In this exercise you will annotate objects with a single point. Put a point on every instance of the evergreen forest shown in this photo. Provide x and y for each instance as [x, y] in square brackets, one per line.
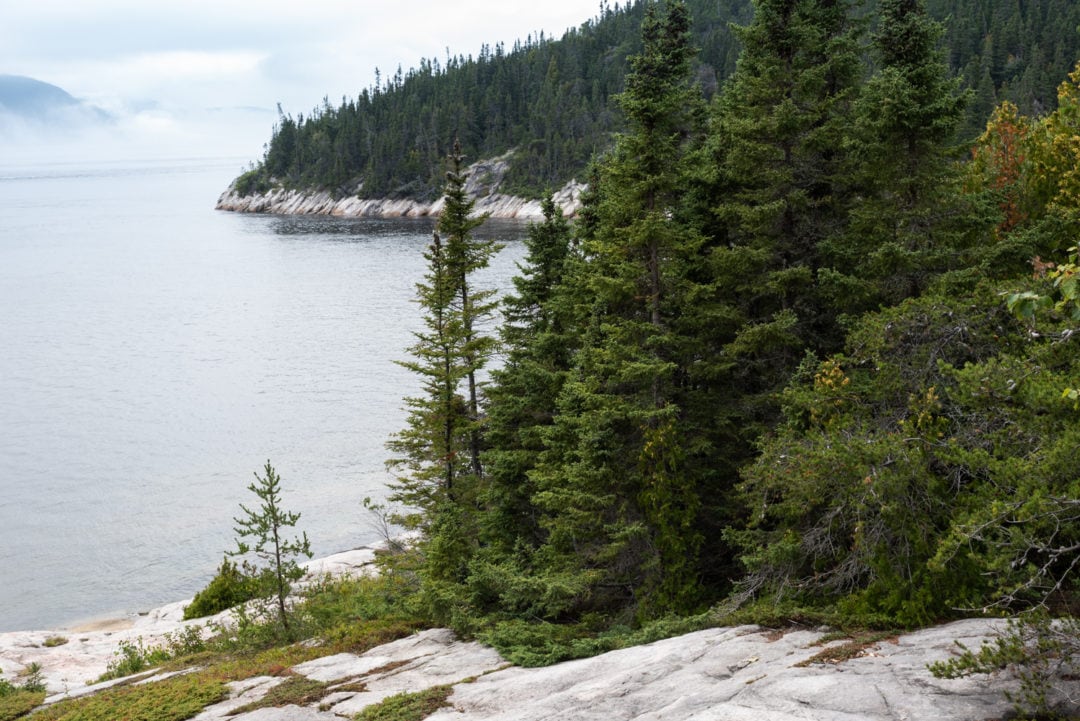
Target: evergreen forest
[804, 353]
[549, 104]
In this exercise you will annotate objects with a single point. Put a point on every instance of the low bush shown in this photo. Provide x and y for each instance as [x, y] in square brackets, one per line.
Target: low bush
[408, 706]
[231, 586]
[173, 699]
[135, 656]
[1041, 651]
[17, 699]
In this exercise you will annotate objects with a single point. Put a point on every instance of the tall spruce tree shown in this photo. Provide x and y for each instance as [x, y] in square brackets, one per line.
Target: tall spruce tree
[906, 225]
[438, 455]
[778, 192]
[617, 505]
[538, 336]
[431, 453]
[466, 254]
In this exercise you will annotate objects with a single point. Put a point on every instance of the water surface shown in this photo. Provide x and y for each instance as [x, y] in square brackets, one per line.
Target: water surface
[155, 352]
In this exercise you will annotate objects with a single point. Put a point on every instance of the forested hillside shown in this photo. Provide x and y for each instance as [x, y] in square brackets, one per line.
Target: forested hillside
[551, 101]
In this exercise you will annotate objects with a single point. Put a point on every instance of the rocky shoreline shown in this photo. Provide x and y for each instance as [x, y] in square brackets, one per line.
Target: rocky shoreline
[88, 648]
[483, 180]
[742, 673]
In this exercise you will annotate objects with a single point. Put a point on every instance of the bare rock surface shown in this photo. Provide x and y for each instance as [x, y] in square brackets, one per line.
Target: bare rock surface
[483, 180]
[720, 674]
[742, 673]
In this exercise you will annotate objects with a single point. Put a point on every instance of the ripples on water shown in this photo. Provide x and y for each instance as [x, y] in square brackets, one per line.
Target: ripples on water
[156, 352]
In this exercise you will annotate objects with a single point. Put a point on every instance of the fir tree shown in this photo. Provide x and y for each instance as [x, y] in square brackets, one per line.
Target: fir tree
[438, 454]
[465, 255]
[431, 453]
[618, 507]
[771, 188]
[538, 338]
[905, 226]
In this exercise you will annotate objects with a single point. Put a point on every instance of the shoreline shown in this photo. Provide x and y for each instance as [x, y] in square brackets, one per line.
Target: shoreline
[90, 645]
[300, 202]
[482, 182]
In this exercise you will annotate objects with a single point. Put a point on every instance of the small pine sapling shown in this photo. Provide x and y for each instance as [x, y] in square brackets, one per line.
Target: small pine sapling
[266, 526]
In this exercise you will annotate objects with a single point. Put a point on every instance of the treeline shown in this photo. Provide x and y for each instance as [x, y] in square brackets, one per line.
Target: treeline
[1008, 50]
[791, 356]
[551, 101]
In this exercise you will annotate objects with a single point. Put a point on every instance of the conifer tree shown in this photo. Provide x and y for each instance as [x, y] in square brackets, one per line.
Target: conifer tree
[774, 189]
[438, 454]
[267, 525]
[538, 338]
[618, 506]
[905, 226]
[465, 255]
[431, 452]
[782, 126]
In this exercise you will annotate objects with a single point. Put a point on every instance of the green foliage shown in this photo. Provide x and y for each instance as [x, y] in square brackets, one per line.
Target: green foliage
[267, 526]
[251, 182]
[614, 505]
[406, 706]
[922, 473]
[910, 220]
[132, 657]
[550, 103]
[1039, 650]
[357, 614]
[54, 641]
[230, 587]
[438, 456]
[18, 699]
[546, 101]
[296, 690]
[173, 699]
[529, 643]
[19, 703]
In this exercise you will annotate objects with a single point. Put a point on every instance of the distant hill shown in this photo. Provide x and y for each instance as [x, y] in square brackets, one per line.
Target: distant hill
[42, 103]
[550, 101]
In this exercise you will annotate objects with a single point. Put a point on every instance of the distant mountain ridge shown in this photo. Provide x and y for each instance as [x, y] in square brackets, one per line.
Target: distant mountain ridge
[38, 102]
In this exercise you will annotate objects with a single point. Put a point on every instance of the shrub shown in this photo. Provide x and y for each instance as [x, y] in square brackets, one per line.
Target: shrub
[135, 657]
[18, 699]
[231, 586]
[1041, 652]
[251, 182]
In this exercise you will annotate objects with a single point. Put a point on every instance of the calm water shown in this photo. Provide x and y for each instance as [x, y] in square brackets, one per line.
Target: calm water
[155, 352]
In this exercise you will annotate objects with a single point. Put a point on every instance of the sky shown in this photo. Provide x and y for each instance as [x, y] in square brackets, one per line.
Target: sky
[203, 77]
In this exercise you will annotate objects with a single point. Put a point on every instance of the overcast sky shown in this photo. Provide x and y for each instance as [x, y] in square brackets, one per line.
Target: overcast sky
[201, 70]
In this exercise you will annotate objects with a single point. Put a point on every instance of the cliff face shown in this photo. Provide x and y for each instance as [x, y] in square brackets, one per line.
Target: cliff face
[484, 179]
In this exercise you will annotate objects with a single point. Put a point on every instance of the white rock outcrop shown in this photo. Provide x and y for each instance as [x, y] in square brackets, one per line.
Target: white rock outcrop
[483, 180]
[87, 650]
[743, 673]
